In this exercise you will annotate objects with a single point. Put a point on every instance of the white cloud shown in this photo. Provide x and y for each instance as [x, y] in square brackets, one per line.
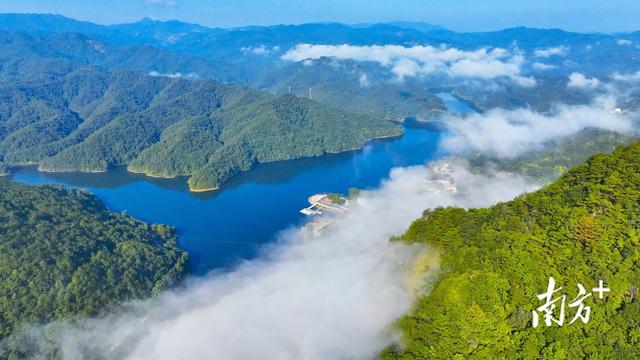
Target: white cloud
[406, 67]
[578, 80]
[552, 51]
[364, 80]
[542, 66]
[336, 296]
[333, 297]
[507, 134]
[624, 42]
[487, 69]
[189, 76]
[423, 60]
[260, 50]
[633, 77]
[491, 68]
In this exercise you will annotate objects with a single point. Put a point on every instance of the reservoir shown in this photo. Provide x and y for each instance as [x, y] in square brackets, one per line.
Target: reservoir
[222, 228]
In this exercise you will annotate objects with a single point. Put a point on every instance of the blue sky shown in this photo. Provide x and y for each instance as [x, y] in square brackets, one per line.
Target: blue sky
[462, 15]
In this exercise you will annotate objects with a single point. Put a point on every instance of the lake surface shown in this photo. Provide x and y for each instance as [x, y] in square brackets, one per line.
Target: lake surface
[222, 228]
[455, 105]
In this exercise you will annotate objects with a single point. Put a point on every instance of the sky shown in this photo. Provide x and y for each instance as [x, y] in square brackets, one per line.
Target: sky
[460, 15]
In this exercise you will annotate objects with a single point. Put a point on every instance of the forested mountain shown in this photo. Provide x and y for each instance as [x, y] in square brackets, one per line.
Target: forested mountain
[62, 253]
[555, 157]
[252, 56]
[227, 44]
[151, 32]
[341, 89]
[363, 88]
[211, 42]
[50, 23]
[581, 229]
[177, 35]
[68, 117]
[82, 49]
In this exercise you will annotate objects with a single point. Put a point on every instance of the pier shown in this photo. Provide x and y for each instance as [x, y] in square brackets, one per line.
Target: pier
[321, 203]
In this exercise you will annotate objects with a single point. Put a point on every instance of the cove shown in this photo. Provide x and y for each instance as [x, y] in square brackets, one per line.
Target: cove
[222, 228]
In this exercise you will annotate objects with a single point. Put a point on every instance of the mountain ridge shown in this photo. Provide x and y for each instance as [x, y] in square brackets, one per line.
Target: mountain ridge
[71, 117]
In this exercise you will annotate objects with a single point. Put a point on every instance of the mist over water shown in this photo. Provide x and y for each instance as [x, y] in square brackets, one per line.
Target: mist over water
[335, 296]
[332, 297]
[220, 229]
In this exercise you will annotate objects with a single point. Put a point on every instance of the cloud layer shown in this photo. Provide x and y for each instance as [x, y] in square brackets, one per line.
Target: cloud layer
[189, 76]
[333, 297]
[628, 78]
[260, 50]
[552, 51]
[542, 66]
[338, 295]
[580, 81]
[507, 134]
[424, 60]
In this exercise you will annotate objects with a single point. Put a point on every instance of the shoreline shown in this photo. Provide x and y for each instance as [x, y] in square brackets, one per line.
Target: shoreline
[215, 188]
[151, 175]
[204, 190]
[384, 137]
[71, 171]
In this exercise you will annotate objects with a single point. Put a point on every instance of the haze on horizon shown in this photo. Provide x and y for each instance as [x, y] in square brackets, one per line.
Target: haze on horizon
[458, 15]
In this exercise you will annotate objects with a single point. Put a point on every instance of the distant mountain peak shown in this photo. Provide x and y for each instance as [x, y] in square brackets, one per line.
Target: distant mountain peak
[417, 25]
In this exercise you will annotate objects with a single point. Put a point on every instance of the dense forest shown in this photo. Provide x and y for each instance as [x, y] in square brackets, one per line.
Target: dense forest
[69, 117]
[495, 261]
[62, 253]
[253, 57]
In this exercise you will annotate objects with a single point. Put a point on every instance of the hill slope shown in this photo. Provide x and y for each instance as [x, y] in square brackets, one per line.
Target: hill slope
[62, 253]
[68, 117]
[581, 229]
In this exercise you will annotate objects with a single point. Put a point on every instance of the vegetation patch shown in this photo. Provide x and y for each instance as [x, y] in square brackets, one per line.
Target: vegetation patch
[583, 228]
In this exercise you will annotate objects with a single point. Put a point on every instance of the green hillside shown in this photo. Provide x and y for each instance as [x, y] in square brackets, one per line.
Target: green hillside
[215, 148]
[67, 117]
[556, 157]
[62, 253]
[494, 262]
[360, 88]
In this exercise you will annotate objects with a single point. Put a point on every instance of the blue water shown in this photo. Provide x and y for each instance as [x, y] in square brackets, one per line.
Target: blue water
[221, 228]
[456, 105]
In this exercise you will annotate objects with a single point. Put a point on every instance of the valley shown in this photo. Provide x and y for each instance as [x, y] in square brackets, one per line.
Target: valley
[315, 190]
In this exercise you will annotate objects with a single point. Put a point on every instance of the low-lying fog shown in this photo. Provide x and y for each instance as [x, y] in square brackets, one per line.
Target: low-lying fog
[335, 296]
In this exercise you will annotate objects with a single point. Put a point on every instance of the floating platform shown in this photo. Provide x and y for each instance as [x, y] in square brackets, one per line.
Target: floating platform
[321, 203]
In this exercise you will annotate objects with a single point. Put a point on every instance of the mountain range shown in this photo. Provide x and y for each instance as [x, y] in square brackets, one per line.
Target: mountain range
[253, 56]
